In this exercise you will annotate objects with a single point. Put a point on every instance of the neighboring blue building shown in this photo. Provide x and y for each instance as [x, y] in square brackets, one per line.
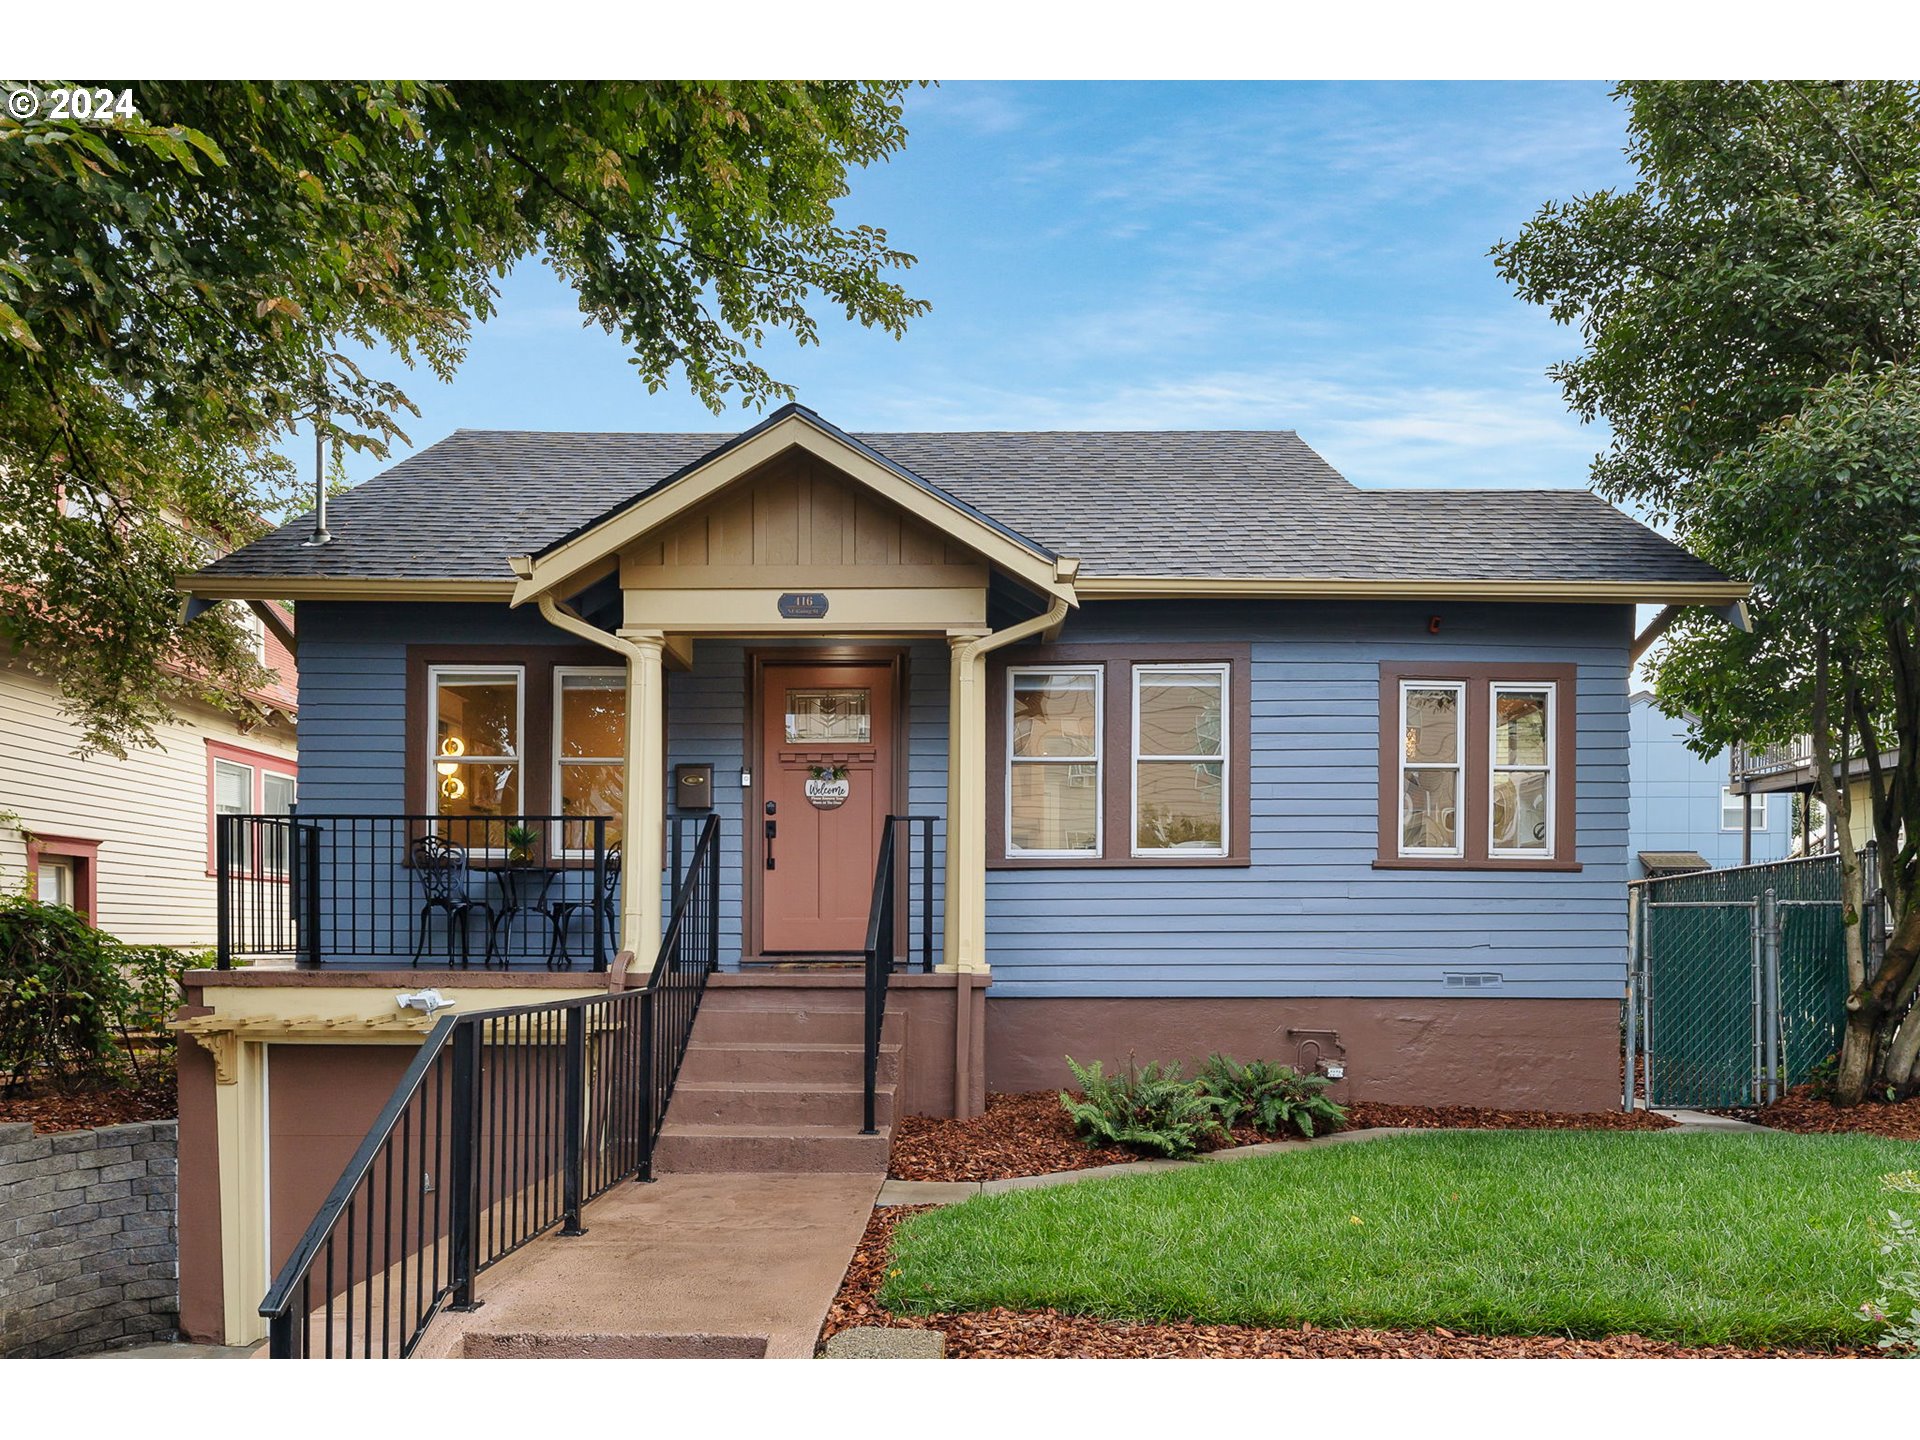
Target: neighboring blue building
[1682, 804]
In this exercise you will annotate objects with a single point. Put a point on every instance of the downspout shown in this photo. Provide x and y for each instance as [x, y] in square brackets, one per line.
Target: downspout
[966, 828]
[641, 827]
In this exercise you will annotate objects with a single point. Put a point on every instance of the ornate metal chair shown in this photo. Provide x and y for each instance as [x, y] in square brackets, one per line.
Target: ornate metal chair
[601, 906]
[440, 870]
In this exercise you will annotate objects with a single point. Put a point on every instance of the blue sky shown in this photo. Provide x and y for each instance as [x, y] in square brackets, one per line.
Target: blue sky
[1299, 256]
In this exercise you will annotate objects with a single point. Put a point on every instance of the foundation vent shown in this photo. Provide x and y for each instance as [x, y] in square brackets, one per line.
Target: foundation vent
[1474, 979]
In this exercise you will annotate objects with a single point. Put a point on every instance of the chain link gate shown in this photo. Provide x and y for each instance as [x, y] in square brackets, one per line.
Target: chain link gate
[1736, 982]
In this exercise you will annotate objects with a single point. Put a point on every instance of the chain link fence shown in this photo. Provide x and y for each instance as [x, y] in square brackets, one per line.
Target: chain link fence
[1736, 981]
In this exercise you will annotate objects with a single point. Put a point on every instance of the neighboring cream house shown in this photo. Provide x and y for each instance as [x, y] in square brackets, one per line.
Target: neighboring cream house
[129, 842]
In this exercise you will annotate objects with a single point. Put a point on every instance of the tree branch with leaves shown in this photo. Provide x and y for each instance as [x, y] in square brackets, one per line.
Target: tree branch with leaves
[181, 290]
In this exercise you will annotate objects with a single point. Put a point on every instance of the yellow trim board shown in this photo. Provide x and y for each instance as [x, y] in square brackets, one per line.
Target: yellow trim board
[554, 570]
[1651, 592]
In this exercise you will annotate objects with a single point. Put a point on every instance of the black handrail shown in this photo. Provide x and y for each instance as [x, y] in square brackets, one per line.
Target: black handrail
[506, 1123]
[880, 957]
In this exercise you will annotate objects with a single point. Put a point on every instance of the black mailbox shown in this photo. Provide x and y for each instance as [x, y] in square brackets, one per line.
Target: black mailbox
[693, 787]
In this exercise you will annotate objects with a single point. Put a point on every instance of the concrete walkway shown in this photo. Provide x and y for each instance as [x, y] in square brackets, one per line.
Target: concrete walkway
[730, 1265]
[953, 1192]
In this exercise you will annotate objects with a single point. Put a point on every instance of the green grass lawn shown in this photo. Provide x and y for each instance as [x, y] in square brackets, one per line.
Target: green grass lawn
[1700, 1239]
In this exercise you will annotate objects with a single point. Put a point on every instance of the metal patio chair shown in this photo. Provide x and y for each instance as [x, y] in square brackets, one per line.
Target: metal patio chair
[560, 913]
[440, 870]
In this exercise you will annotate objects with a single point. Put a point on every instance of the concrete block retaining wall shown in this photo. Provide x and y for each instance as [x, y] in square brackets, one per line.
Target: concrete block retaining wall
[89, 1238]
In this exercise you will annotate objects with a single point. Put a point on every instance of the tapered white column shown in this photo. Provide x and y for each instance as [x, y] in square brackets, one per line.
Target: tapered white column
[965, 923]
[643, 823]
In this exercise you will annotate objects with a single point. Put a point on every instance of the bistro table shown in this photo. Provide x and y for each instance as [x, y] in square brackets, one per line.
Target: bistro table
[524, 885]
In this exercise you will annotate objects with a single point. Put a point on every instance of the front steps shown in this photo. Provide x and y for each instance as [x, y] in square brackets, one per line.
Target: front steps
[772, 1080]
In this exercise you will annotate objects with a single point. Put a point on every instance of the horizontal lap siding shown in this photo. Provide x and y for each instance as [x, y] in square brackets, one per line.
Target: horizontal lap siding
[1311, 916]
[353, 729]
[148, 812]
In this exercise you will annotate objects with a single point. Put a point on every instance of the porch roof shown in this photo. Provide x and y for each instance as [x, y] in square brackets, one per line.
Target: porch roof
[1145, 513]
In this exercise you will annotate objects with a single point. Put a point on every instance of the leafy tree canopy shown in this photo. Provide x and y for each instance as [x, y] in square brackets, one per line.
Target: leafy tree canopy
[180, 290]
[1751, 336]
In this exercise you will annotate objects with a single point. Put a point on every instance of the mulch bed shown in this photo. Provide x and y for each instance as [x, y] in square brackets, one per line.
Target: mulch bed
[1028, 1133]
[1800, 1111]
[1047, 1334]
[155, 1099]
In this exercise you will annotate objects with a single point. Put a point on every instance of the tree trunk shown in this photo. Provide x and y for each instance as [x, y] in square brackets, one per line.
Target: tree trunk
[1860, 1040]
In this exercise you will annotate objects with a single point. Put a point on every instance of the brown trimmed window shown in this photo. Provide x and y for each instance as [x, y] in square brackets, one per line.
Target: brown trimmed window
[1118, 755]
[1477, 767]
[496, 731]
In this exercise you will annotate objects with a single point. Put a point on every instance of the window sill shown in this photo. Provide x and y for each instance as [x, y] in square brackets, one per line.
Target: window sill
[1126, 862]
[1464, 863]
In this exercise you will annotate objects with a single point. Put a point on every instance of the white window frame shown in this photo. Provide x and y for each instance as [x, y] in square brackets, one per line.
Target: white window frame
[560, 758]
[1098, 760]
[239, 864]
[273, 863]
[1223, 670]
[1730, 799]
[65, 874]
[1461, 739]
[1551, 769]
[434, 758]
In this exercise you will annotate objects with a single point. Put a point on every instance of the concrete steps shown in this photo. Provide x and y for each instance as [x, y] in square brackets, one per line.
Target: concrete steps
[772, 1080]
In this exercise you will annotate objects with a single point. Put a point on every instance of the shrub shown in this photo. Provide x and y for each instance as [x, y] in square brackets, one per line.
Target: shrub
[1151, 1108]
[72, 997]
[1274, 1099]
[1897, 1308]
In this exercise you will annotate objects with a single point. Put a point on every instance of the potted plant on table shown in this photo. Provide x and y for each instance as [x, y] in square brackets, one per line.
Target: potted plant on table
[520, 842]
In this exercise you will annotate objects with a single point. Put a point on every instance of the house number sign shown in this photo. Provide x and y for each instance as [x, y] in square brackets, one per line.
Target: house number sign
[803, 605]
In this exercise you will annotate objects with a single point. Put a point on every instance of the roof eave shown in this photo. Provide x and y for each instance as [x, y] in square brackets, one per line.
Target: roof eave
[1592, 592]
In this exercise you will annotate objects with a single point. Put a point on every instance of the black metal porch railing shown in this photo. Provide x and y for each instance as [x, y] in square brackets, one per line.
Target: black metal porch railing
[504, 1126]
[416, 890]
[883, 940]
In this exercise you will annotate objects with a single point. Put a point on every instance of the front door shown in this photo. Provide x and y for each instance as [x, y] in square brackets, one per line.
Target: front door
[826, 751]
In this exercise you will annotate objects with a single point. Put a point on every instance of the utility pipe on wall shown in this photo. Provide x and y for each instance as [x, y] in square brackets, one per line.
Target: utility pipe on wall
[643, 817]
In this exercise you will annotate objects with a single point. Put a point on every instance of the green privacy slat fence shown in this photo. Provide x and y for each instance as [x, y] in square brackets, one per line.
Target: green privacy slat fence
[1739, 980]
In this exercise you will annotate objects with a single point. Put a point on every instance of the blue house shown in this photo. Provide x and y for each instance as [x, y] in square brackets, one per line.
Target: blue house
[967, 750]
[1684, 815]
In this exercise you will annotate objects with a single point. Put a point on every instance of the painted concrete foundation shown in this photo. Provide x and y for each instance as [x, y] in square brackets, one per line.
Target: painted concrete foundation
[1507, 1053]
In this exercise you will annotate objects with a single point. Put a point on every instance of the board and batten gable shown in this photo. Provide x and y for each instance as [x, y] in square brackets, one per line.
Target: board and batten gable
[1310, 915]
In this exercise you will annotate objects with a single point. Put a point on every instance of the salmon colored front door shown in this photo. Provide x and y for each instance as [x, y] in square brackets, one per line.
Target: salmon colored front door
[826, 746]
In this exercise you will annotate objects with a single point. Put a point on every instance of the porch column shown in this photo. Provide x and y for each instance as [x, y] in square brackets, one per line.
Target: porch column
[965, 922]
[643, 821]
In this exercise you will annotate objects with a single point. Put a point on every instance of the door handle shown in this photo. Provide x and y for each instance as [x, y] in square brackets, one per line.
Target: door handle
[773, 827]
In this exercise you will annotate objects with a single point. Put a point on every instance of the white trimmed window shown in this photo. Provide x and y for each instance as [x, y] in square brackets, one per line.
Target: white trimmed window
[1730, 816]
[1520, 814]
[589, 751]
[1054, 804]
[1180, 759]
[233, 795]
[1432, 721]
[475, 719]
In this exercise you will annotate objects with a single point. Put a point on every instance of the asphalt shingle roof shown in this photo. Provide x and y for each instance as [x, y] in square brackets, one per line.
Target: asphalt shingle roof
[1195, 503]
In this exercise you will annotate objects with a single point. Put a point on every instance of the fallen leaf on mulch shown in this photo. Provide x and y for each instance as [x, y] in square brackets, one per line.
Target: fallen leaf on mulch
[1800, 1111]
[1027, 1133]
[153, 1100]
[1048, 1334]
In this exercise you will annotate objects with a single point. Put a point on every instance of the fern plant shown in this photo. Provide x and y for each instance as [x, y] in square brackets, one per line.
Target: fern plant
[1274, 1099]
[1150, 1108]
